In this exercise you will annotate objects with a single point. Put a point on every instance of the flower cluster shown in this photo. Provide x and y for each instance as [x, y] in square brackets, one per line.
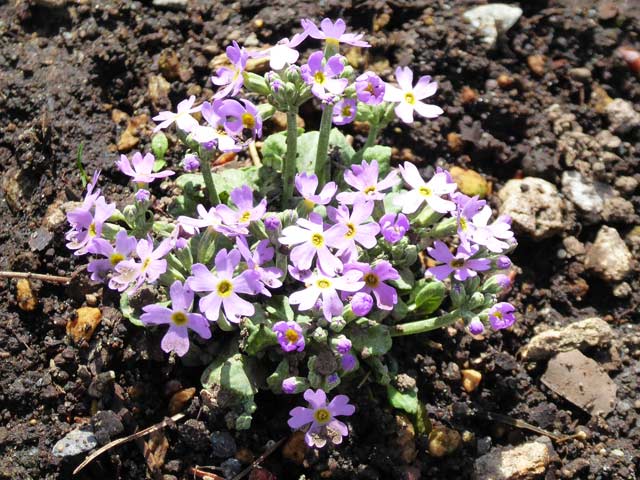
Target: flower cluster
[316, 287]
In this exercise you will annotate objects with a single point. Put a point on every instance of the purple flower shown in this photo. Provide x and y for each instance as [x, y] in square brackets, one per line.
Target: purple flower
[431, 192]
[284, 52]
[142, 170]
[289, 385]
[502, 280]
[190, 162]
[374, 277]
[240, 120]
[348, 362]
[462, 265]
[289, 335]
[321, 76]
[466, 207]
[214, 133]
[364, 179]
[355, 228]
[307, 183]
[224, 287]
[361, 303]
[394, 227]
[343, 345]
[503, 262]
[494, 236]
[87, 222]
[272, 223]
[183, 119]
[246, 212]
[344, 111]
[322, 417]
[501, 315]
[333, 33]
[179, 319]
[264, 252]
[231, 79]
[311, 239]
[130, 274]
[409, 97]
[319, 285]
[142, 195]
[370, 88]
[209, 219]
[124, 245]
[476, 327]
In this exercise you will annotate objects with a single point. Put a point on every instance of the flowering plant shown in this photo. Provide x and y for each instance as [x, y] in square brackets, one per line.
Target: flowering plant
[300, 288]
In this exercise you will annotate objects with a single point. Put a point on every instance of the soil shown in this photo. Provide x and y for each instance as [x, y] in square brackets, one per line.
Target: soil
[68, 69]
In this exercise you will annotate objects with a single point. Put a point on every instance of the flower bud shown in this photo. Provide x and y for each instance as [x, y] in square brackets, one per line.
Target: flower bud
[503, 262]
[342, 344]
[256, 83]
[320, 335]
[496, 283]
[159, 145]
[361, 303]
[143, 195]
[293, 385]
[272, 223]
[476, 301]
[458, 295]
[476, 327]
[190, 162]
[348, 362]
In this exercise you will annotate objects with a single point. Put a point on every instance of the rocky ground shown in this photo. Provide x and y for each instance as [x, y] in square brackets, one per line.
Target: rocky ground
[545, 112]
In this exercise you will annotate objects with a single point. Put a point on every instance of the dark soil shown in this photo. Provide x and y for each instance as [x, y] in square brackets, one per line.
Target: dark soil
[66, 66]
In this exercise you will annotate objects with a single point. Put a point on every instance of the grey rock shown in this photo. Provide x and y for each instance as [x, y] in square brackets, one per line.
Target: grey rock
[617, 210]
[74, 443]
[527, 461]
[609, 257]
[224, 445]
[580, 74]
[626, 184]
[535, 207]
[608, 140]
[106, 425]
[231, 467]
[489, 20]
[171, 4]
[587, 195]
[623, 290]
[622, 116]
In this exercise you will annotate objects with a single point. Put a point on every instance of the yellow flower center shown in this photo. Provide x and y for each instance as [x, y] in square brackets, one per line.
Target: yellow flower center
[463, 223]
[498, 315]
[179, 318]
[346, 111]
[409, 98]
[322, 416]
[370, 88]
[292, 335]
[371, 280]
[245, 217]
[317, 240]
[351, 230]
[224, 288]
[248, 120]
[369, 190]
[146, 263]
[457, 262]
[116, 258]
[334, 42]
[319, 78]
[323, 283]
[92, 230]
[309, 204]
[425, 191]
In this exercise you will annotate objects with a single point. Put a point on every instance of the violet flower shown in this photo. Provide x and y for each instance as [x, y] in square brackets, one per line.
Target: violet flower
[263, 253]
[240, 120]
[307, 183]
[476, 327]
[322, 76]
[343, 345]
[209, 219]
[86, 226]
[319, 285]
[356, 227]
[191, 162]
[344, 112]
[394, 227]
[231, 79]
[183, 119]
[214, 132]
[130, 275]
[124, 245]
[289, 335]
[494, 236]
[322, 417]
[430, 192]
[333, 33]
[142, 195]
[348, 362]
[284, 52]
[246, 212]
[272, 223]
[374, 278]
[466, 208]
[361, 303]
[409, 97]
[142, 169]
[179, 318]
[370, 88]
[311, 239]
[501, 315]
[224, 287]
[461, 265]
[289, 385]
[364, 179]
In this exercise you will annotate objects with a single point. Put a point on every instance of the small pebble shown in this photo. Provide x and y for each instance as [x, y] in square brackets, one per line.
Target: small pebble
[470, 380]
[224, 445]
[74, 443]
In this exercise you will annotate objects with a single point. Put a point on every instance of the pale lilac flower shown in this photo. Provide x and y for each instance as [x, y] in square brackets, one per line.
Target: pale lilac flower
[431, 192]
[240, 120]
[361, 303]
[501, 315]
[461, 265]
[289, 385]
[245, 212]
[356, 227]
[284, 52]
[183, 119]
[231, 79]
[311, 239]
[467, 207]
[409, 97]
[476, 327]
[344, 112]
[142, 195]
[130, 275]
[214, 133]
[124, 245]
[224, 287]
[307, 183]
[322, 76]
[322, 417]
[374, 278]
[142, 169]
[191, 162]
[318, 285]
[87, 224]
[209, 219]
[289, 335]
[179, 318]
[494, 236]
[370, 88]
[348, 362]
[343, 345]
[333, 33]
[364, 179]
[263, 253]
[394, 227]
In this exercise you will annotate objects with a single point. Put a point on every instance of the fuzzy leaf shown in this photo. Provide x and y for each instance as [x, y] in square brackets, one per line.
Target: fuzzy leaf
[374, 340]
[237, 374]
[429, 296]
[306, 154]
[380, 154]
[274, 149]
[406, 401]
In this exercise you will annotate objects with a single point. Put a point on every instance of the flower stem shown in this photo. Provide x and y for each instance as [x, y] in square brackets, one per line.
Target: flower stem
[371, 139]
[323, 166]
[205, 166]
[289, 167]
[425, 325]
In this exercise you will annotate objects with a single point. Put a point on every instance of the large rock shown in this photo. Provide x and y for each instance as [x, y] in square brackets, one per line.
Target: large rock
[609, 257]
[590, 332]
[489, 20]
[535, 207]
[527, 461]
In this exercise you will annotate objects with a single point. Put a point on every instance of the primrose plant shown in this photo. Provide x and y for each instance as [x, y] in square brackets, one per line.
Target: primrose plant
[295, 274]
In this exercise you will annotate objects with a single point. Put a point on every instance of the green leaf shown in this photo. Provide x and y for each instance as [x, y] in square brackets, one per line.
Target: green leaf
[83, 174]
[406, 281]
[429, 296]
[306, 154]
[128, 311]
[260, 337]
[274, 381]
[237, 374]
[159, 146]
[406, 401]
[374, 340]
[380, 154]
[274, 149]
[339, 141]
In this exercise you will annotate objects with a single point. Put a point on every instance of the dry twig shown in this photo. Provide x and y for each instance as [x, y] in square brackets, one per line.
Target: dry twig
[36, 276]
[260, 459]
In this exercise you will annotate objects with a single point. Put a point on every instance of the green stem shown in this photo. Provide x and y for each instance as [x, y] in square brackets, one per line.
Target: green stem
[371, 139]
[426, 325]
[289, 167]
[323, 166]
[205, 166]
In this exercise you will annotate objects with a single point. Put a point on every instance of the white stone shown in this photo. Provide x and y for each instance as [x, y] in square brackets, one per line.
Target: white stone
[609, 257]
[74, 443]
[622, 116]
[527, 461]
[586, 195]
[171, 4]
[489, 20]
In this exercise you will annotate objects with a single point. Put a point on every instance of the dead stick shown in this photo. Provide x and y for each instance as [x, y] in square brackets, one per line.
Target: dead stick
[197, 473]
[36, 276]
[260, 459]
[253, 153]
[514, 422]
[133, 436]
